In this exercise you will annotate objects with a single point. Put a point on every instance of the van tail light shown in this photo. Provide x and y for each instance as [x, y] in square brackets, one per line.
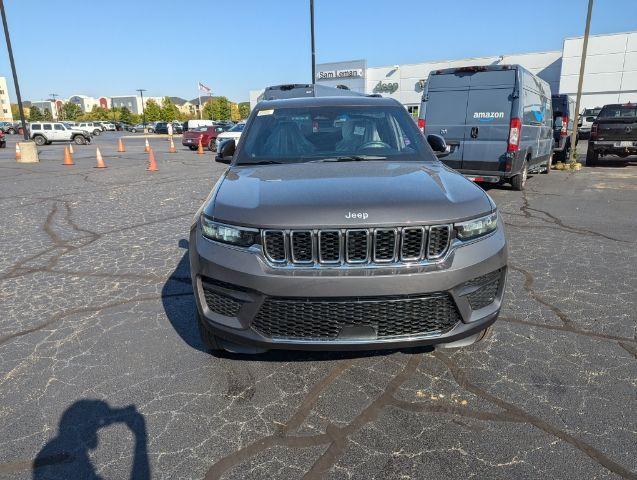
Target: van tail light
[515, 130]
[564, 131]
[593, 134]
[421, 124]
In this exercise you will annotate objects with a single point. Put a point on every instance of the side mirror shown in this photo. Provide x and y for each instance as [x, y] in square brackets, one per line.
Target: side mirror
[438, 145]
[226, 151]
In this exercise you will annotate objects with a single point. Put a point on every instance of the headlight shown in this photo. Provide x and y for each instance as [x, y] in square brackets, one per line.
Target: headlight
[477, 227]
[243, 237]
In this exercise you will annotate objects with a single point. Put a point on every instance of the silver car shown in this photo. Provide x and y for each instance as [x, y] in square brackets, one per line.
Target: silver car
[335, 227]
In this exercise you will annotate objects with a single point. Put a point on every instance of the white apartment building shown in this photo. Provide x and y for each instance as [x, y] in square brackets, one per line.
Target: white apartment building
[5, 102]
[133, 102]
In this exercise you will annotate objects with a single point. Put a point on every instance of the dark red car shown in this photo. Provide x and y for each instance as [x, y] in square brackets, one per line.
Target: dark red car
[207, 134]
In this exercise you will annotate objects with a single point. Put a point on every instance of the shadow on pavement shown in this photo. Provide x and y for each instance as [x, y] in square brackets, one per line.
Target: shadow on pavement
[181, 310]
[67, 455]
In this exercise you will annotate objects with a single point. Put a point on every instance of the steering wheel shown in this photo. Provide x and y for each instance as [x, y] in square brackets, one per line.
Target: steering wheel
[374, 144]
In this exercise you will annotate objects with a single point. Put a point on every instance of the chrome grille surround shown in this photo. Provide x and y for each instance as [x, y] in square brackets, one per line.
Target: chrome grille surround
[332, 247]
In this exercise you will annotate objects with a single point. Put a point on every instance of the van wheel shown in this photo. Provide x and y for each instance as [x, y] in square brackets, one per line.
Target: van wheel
[209, 339]
[39, 140]
[548, 165]
[592, 157]
[519, 181]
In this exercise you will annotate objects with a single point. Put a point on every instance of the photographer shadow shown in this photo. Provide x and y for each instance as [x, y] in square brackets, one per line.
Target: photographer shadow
[67, 454]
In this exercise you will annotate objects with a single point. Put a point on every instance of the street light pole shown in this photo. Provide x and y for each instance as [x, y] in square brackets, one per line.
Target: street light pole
[580, 82]
[312, 40]
[141, 93]
[15, 75]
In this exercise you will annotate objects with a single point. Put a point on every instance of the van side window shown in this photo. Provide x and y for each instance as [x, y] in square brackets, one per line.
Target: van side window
[532, 111]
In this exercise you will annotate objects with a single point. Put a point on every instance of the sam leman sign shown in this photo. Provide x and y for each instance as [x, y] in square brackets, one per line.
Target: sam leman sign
[334, 74]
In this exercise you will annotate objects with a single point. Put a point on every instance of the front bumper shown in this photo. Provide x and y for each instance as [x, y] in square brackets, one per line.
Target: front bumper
[248, 280]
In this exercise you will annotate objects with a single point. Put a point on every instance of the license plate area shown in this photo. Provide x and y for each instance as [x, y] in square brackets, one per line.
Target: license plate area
[624, 144]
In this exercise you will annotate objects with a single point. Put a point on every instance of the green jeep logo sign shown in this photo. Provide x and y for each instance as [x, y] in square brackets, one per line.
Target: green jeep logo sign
[385, 87]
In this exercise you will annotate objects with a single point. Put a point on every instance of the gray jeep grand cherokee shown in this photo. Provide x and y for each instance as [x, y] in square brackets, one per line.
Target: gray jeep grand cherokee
[336, 228]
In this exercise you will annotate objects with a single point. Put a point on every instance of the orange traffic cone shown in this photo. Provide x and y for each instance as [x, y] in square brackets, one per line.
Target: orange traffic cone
[100, 160]
[172, 148]
[68, 160]
[18, 153]
[120, 146]
[152, 164]
[147, 147]
[71, 149]
[200, 147]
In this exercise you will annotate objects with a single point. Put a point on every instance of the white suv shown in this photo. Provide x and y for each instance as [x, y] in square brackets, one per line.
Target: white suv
[90, 127]
[44, 133]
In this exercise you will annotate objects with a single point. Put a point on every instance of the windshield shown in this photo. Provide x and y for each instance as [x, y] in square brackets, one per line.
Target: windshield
[290, 135]
[616, 111]
[592, 112]
[238, 127]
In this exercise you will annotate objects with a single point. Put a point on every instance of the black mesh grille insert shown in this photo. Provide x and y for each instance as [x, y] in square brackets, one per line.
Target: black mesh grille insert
[411, 247]
[329, 246]
[438, 241]
[384, 246]
[275, 245]
[302, 246]
[483, 296]
[222, 304]
[307, 318]
[357, 247]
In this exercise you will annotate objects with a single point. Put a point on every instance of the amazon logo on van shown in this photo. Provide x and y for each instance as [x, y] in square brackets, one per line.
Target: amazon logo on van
[487, 116]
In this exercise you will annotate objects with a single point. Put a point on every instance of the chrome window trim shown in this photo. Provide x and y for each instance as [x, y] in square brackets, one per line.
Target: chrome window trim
[367, 239]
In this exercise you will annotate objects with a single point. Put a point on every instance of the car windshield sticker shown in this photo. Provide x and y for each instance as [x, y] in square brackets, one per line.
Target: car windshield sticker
[359, 130]
[265, 112]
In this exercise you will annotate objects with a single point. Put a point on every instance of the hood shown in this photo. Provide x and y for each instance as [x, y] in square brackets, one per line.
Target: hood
[313, 195]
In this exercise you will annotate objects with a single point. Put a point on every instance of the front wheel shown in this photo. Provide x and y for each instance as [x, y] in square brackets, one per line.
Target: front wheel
[519, 181]
[97, 132]
[79, 140]
[212, 146]
[11, 131]
[39, 140]
[592, 156]
[133, 130]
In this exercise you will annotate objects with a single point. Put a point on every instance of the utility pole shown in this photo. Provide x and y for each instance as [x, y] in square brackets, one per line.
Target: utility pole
[312, 40]
[582, 66]
[15, 75]
[141, 93]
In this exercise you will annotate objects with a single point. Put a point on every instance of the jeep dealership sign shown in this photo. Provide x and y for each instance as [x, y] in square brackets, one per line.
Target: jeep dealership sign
[346, 73]
[350, 74]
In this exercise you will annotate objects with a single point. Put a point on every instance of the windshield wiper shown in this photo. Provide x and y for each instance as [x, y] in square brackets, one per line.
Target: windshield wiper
[352, 158]
[262, 162]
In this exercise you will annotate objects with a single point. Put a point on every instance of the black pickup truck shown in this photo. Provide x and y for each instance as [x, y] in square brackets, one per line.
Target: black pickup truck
[614, 132]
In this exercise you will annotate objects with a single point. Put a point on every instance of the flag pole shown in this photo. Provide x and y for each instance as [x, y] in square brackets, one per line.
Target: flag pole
[199, 93]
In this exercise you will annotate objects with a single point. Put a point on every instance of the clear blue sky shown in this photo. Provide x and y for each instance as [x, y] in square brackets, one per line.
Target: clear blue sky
[112, 47]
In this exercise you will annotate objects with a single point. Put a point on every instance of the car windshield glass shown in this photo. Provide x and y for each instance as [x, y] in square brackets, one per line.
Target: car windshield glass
[344, 133]
[238, 127]
[615, 111]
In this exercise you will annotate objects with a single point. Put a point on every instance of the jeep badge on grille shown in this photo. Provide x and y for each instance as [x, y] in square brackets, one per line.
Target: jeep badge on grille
[362, 215]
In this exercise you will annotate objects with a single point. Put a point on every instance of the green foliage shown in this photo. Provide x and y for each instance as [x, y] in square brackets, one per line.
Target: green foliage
[99, 113]
[47, 116]
[71, 111]
[15, 111]
[35, 115]
[244, 110]
[153, 111]
[125, 115]
[218, 108]
[169, 110]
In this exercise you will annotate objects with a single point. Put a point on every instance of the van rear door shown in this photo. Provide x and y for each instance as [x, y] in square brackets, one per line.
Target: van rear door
[445, 113]
[488, 118]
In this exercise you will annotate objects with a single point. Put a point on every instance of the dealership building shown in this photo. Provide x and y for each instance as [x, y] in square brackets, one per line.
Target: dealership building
[610, 75]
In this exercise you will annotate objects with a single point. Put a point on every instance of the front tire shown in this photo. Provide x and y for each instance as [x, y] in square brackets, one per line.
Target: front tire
[39, 140]
[519, 181]
[212, 146]
[209, 339]
[192, 147]
[97, 132]
[79, 140]
[592, 157]
[133, 130]
[11, 131]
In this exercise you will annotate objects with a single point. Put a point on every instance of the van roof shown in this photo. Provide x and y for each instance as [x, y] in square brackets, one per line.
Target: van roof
[475, 68]
[300, 102]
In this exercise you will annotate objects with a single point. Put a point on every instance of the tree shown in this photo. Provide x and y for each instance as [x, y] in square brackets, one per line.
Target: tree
[47, 116]
[244, 110]
[218, 108]
[169, 110]
[71, 111]
[15, 111]
[125, 115]
[152, 111]
[35, 115]
[99, 113]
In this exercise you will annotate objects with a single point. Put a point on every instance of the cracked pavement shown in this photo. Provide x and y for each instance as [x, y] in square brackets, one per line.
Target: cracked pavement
[103, 374]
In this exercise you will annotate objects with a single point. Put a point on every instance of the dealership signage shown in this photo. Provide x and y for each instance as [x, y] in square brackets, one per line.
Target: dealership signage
[334, 74]
[382, 87]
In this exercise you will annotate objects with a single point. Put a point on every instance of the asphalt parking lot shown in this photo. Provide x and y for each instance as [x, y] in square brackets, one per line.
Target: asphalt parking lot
[102, 371]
